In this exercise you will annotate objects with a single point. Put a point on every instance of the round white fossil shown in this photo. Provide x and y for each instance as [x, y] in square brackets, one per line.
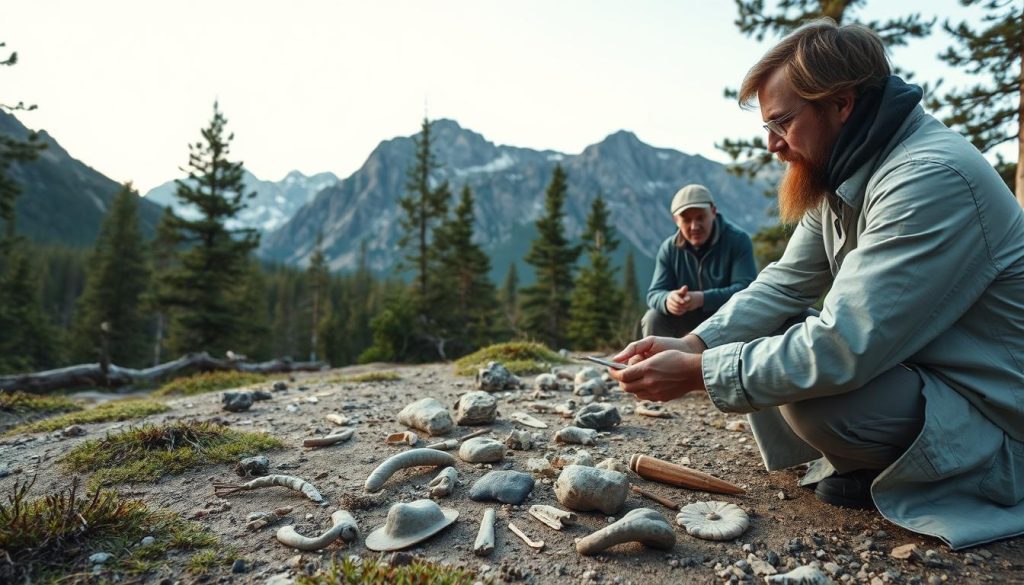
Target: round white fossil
[713, 520]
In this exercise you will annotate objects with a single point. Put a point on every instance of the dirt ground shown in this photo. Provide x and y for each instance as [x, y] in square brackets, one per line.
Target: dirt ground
[789, 527]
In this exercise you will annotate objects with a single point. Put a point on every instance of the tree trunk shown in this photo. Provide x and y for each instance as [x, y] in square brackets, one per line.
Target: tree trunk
[1020, 134]
[85, 375]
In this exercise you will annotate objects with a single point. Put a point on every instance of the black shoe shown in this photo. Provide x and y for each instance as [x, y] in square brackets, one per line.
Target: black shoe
[848, 490]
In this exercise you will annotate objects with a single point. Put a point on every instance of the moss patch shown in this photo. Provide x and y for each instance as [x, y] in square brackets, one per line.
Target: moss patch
[367, 377]
[52, 537]
[24, 403]
[150, 452]
[520, 357]
[116, 410]
[209, 382]
[373, 573]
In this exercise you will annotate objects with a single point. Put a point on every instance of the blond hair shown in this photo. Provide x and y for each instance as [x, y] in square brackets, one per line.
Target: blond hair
[822, 59]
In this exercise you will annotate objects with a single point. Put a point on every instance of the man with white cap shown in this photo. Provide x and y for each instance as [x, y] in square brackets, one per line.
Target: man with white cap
[698, 268]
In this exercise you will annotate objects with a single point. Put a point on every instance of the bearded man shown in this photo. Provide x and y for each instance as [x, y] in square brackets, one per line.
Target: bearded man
[908, 387]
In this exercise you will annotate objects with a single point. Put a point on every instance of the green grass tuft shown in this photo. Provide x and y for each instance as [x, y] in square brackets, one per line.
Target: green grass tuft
[116, 410]
[520, 357]
[50, 538]
[24, 403]
[149, 452]
[367, 377]
[209, 382]
[369, 572]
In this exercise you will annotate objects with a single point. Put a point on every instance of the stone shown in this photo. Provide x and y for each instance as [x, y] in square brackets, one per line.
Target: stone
[907, 551]
[592, 387]
[236, 401]
[613, 464]
[495, 377]
[482, 450]
[427, 415]
[148, 540]
[239, 566]
[73, 431]
[586, 488]
[100, 558]
[280, 386]
[508, 487]
[541, 467]
[253, 466]
[476, 408]
[261, 395]
[546, 383]
[519, 440]
[597, 416]
[805, 575]
[737, 425]
[584, 375]
[762, 568]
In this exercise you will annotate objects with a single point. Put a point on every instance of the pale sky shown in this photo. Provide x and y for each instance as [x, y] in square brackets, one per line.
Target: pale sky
[125, 86]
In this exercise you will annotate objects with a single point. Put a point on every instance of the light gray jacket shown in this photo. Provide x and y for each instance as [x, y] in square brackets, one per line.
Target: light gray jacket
[924, 253]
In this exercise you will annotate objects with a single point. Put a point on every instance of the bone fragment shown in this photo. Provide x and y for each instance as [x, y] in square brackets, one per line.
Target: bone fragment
[484, 544]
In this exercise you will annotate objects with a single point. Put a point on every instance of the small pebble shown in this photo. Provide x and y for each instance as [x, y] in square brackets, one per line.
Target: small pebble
[148, 541]
[239, 566]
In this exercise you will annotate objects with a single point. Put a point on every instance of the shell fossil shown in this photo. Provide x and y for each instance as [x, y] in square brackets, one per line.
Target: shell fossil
[713, 520]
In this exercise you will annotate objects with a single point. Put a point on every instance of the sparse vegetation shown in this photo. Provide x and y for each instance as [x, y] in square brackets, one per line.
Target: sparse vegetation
[208, 558]
[49, 538]
[520, 357]
[149, 452]
[116, 410]
[418, 572]
[367, 377]
[209, 382]
[25, 403]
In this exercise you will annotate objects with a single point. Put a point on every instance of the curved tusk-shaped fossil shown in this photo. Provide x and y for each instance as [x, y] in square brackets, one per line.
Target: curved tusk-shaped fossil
[484, 544]
[329, 439]
[640, 525]
[445, 482]
[552, 516]
[344, 527]
[288, 481]
[534, 544]
[410, 458]
[576, 435]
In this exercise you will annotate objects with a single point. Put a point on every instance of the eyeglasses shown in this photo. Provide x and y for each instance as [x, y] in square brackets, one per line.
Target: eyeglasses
[777, 126]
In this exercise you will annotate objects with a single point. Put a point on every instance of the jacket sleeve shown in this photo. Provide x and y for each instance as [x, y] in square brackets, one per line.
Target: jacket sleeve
[921, 261]
[743, 271]
[664, 279]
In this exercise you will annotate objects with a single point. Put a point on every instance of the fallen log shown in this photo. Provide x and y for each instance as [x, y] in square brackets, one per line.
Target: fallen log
[89, 375]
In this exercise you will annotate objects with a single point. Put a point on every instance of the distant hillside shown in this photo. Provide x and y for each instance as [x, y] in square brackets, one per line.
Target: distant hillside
[637, 181]
[62, 199]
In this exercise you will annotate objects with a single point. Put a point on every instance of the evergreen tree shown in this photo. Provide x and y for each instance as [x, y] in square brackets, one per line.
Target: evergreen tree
[632, 305]
[13, 150]
[425, 207]
[163, 258]
[110, 324]
[989, 113]
[318, 281]
[596, 300]
[250, 296]
[545, 304]
[28, 341]
[472, 304]
[215, 261]
[510, 300]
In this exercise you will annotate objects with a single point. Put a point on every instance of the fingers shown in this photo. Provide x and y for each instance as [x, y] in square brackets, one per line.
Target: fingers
[639, 347]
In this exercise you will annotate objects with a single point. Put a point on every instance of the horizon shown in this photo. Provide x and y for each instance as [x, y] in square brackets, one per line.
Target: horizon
[534, 76]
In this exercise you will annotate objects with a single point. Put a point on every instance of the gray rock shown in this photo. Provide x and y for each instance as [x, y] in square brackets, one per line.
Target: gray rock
[476, 408]
[253, 466]
[482, 450]
[805, 575]
[280, 386]
[100, 558]
[597, 416]
[239, 566]
[237, 401]
[586, 488]
[585, 375]
[546, 382]
[427, 415]
[495, 377]
[148, 540]
[73, 431]
[592, 387]
[519, 440]
[261, 395]
[509, 487]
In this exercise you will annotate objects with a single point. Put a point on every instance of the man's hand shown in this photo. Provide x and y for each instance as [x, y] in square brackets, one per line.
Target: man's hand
[677, 300]
[651, 345]
[666, 375]
[694, 300]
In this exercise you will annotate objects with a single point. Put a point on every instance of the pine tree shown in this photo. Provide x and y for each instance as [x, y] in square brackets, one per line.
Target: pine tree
[28, 341]
[989, 113]
[596, 300]
[13, 150]
[632, 305]
[510, 300]
[110, 325]
[216, 260]
[163, 258]
[545, 304]
[318, 280]
[250, 296]
[425, 207]
[472, 304]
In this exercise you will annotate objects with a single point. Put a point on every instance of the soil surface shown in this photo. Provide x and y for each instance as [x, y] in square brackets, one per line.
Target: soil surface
[789, 527]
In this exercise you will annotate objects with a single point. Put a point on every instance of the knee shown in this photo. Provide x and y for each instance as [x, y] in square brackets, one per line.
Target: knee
[652, 323]
[818, 427]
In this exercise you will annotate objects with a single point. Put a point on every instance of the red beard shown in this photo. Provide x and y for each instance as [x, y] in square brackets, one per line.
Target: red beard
[802, 188]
